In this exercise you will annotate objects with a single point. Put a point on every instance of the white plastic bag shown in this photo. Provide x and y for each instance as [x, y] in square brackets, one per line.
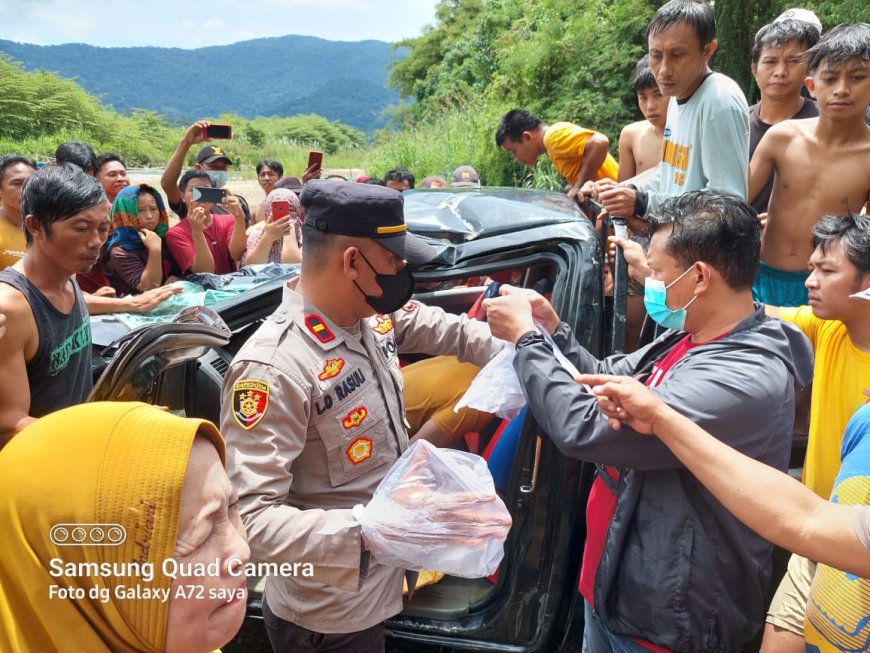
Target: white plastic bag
[496, 388]
[436, 509]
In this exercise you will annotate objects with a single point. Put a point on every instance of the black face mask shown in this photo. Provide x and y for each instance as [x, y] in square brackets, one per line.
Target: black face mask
[396, 289]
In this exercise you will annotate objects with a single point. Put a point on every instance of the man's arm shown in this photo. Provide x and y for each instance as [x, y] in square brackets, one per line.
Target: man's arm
[594, 154]
[142, 303]
[725, 151]
[19, 342]
[798, 519]
[763, 162]
[172, 171]
[627, 164]
[239, 240]
[259, 463]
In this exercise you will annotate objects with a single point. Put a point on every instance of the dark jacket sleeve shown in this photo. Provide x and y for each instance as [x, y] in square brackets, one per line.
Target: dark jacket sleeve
[720, 393]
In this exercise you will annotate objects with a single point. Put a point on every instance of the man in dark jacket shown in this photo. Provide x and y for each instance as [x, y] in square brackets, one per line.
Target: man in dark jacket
[665, 564]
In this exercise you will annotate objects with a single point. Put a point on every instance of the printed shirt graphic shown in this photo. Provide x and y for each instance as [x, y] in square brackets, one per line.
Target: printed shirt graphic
[841, 386]
[78, 340]
[838, 611]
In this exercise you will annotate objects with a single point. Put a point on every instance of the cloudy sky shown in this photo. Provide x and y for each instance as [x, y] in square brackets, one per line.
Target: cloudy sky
[186, 24]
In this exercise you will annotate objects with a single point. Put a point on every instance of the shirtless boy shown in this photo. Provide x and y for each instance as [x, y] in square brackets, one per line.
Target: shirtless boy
[822, 164]
[640, 143]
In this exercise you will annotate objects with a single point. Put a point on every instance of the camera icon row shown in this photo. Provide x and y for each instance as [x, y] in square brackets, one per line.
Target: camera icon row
[88, 534]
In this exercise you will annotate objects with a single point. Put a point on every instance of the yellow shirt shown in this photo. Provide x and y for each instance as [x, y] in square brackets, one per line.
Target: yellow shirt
[841, 385]
[13, 246]
[565, 143]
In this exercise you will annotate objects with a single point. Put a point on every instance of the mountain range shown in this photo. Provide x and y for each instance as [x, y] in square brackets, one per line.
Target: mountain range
[282, 76]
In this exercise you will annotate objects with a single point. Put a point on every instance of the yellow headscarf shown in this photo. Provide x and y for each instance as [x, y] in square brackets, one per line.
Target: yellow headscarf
[100, 463]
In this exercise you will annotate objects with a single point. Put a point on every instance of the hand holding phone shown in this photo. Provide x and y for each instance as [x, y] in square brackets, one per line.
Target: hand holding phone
[280, 209]
[223, 132]
[315, 159]
[209, 195]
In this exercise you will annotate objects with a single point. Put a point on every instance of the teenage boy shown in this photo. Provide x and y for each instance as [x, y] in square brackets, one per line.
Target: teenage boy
[111, 171]
[838, 326]
[577, 153]
[821, 165]
[706, 137]
[779, 67]
[207, 241]
[640, 143]
[14, 171]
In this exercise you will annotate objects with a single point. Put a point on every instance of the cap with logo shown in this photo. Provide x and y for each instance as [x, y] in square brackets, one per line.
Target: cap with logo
[364, 211]
[465, 176]
[802, 15]
[212, 153]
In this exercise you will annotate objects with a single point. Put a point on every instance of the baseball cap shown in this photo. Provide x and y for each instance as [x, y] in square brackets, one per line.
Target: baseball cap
[364, 211]
[465, 176]
[290, 183]
[212, 153]
[802, 15]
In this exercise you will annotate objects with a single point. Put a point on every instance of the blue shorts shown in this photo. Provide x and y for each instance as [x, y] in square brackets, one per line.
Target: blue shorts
[780, 287]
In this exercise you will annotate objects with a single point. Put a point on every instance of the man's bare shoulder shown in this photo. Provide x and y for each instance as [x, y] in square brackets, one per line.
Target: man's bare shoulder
[635, 129]
[19, 316]
[805, 127]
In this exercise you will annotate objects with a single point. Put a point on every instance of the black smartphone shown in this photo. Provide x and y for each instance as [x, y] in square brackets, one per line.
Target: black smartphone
[224, 132]
[209, 195]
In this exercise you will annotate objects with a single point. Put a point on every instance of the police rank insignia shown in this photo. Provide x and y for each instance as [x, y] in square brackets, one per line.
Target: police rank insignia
[355, 417]
[359, 451]
[315, 324]
[383, 325]
[332, 367]
[250, 401]
[410, 307]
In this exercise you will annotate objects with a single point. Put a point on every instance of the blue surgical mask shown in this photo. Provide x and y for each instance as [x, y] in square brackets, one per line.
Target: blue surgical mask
[218, 177]
[655, 300]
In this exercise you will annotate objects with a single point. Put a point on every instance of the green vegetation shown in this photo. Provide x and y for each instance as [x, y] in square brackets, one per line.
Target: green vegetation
[41, 110]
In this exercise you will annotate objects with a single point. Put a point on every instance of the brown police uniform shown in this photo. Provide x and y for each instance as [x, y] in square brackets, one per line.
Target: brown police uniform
[314, 417]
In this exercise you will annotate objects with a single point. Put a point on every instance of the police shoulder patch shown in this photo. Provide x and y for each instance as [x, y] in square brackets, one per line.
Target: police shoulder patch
[250, 402]
[315, 324]
[359, 451]
[410, 307]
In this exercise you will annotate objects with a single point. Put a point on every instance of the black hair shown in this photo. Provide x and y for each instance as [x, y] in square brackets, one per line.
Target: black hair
[374, 181]
[57, 193]
[272, 165]
[14, 159]
[853, 234]
[781, 32]
[697, 14]
[193, 173]
[399, 174]
[514, 123]
[839, 45]
[643, 77]
[719, 229]
[77, 153]
[108, 157]
[316, 245]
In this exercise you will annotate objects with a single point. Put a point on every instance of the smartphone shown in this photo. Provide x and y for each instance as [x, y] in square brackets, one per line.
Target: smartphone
[280, 209]
[224, 132]
[315, 158]
[209, 195]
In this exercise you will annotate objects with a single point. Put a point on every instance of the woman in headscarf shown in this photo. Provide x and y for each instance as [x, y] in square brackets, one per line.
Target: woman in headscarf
[135, 249]
[104, 509]
[276, 241]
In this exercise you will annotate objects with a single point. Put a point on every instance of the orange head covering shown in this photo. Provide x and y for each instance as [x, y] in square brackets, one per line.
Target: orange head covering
[108, 475]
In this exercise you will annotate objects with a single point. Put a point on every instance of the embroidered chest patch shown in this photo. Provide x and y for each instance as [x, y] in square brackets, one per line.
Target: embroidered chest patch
[359, 451]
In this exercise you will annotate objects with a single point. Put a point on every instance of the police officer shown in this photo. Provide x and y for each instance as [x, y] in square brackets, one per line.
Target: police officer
[313, 414]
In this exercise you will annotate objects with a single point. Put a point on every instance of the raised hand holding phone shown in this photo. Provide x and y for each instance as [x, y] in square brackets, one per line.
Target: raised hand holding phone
[211, 131]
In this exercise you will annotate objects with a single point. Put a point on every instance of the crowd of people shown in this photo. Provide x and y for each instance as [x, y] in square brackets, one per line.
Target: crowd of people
[750, 250]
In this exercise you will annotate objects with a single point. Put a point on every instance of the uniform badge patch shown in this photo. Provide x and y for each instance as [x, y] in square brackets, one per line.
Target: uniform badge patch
[250, 402]
[315, 324]
[355, 417]
[359, 451]
[410, 307]
[332, 367]
[383, 325]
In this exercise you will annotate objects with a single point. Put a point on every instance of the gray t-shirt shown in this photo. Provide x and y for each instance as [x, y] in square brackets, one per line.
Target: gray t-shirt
[60, 374]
